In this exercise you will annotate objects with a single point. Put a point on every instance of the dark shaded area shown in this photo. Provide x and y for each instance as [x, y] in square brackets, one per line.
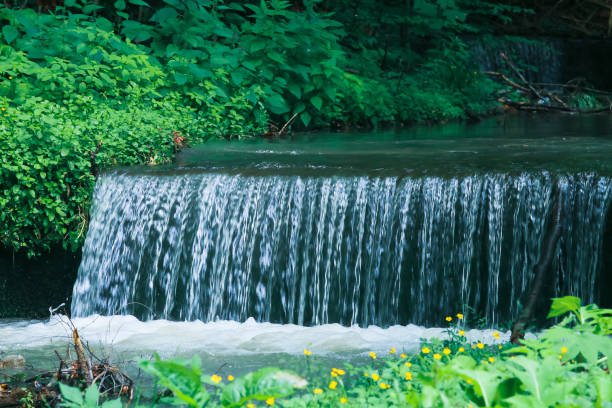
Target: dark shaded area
[28, 287]
[589, 59]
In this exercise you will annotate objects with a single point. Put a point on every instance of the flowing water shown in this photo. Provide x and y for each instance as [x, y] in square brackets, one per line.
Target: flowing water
[247, 252]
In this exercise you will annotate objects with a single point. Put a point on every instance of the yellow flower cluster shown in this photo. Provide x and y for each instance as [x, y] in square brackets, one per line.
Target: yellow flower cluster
[307, 352]
[216, 379]
[336, 372]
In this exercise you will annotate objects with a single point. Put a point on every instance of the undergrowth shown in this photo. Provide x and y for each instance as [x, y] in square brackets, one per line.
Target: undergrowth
[566, 365]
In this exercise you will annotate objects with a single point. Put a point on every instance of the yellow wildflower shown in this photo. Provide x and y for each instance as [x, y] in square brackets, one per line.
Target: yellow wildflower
[216, 379]
[491, 359]
[343, 400]
[446, 351]
[384, 386]
[448, 318]
[563, 350]
[333, 385]
[437, 356]
[392, 351]
[499, 347]
[270, 401]
[373, 355]
[496, 335]
[408, 376]
[307, 352]
[334, 374]
[425, 350]
[469, 381]
[461, 333]
[250, 405]
[339, 371]
[459, 316]
[408, 364]
[10, 77]
[230, 378]
[560, 356]
[403, 355]
[461, 349]
[366, 375]
[480, 345]
[375, 377]
[3, 109]
[318, 391]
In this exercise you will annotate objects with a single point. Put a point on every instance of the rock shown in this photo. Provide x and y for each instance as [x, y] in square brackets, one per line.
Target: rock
[12, 361]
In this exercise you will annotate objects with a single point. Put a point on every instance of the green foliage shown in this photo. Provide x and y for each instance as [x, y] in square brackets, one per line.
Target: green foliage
[566, 365]
[190, 386]
[74, 398]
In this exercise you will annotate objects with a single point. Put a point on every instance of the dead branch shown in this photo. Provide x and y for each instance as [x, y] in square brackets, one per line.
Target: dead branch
[280, 132]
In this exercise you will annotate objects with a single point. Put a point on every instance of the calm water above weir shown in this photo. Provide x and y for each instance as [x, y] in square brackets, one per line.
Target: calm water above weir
[258, 249]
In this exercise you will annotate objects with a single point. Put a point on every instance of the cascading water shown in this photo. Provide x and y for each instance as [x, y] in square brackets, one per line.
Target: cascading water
[542, 57]
[322, 249]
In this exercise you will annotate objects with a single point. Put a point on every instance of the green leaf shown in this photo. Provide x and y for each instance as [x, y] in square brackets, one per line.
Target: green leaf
[71, 394]
[64, 152]
[10, 33]
[164, 14]
[563, 305]
[116, 403]
[92, 396]
[139, 3]
[295, 89]
[277, 104]
[120, 4]
[305, 117]
[260, 385]
[238, 76]
[317, 102]
[180, 79]
[485, 382]
[90, 8]
[182, 381]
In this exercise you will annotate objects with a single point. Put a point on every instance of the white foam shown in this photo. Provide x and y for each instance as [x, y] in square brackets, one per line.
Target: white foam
[220, 338]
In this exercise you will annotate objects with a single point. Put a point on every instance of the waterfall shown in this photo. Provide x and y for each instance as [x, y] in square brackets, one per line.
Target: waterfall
[332, 249]
[542, 58]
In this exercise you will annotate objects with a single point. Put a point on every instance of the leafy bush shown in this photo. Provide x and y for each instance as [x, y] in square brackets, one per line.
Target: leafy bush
[566, 365]
[189, 384]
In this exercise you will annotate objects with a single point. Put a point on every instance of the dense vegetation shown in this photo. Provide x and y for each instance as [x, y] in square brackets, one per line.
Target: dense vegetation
[88, 85]
[566, 366]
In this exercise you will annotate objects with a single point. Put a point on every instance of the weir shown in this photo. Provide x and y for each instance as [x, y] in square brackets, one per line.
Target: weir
[349, 249]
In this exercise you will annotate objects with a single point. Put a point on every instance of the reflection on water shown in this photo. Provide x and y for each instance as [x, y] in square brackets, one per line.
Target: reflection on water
[500, 144]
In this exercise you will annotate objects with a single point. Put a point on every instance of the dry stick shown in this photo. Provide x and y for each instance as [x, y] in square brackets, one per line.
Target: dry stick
[546, 256]
[549, 108]
[83, 366]
[508, 80]
[572, 86]
[520, 75]
[280, 132]
[537, 93]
